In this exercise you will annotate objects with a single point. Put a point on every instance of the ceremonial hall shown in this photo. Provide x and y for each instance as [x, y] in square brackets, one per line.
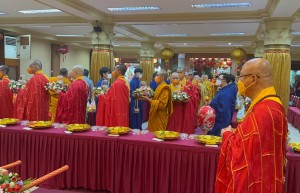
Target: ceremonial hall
[139, 96]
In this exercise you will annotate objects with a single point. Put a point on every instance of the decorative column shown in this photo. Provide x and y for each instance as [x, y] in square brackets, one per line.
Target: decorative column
[102, 54]
[277, 41]
[259, 49]
[146, 60]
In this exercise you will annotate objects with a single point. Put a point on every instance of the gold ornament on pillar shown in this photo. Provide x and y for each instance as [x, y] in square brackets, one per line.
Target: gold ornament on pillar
[167, 54]
[238, 55]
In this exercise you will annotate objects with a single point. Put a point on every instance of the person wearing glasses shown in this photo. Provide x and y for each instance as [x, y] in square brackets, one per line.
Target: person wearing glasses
[253, 155]
[222, 104]
[182, 77]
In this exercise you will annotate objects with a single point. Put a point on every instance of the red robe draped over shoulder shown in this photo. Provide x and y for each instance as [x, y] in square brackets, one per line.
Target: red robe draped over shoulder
[114, 109]
[33, 100]
[6, 99]
[252, 158]
[71, 107]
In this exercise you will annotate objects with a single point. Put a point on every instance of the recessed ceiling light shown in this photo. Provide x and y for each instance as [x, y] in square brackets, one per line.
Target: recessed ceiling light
[37, 26]
[185, 44]
[295, 45]
[119, 35]
[40, 11]
[226, 45]
[296, 33]
[228, 34]
[221, 5]
[229, 43]
[147, 8]
[172, 35]
[69, 35]
[116, 45]
[2, 13]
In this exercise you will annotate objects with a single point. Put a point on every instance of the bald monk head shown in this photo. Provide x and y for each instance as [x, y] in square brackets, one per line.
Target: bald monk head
[35, 66]
[255, 76]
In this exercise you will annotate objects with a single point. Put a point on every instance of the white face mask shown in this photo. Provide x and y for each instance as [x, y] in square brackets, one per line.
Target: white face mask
[109, 76]
[141, 76]
[218, 82]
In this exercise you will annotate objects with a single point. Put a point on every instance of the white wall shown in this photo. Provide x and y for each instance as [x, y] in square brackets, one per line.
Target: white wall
[75, 56]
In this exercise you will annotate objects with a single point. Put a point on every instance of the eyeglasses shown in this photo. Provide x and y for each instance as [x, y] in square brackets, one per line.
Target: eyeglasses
[238, 77]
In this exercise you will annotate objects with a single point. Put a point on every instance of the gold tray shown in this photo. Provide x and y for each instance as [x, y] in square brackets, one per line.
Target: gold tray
[166, 134]
[9, 121]
[78, 127]
[209, 139]
[295, 146]
[118, 130]
[39, 124]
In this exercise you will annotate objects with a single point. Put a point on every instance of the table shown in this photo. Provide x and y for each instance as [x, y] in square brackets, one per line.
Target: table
[125, 164]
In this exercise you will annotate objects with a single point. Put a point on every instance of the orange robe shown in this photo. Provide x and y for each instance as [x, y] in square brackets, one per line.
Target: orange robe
[71, 107]
[54, 96]
[6, 99]
[161, 108]
[114, 109]
[252, 158]
[33, 100]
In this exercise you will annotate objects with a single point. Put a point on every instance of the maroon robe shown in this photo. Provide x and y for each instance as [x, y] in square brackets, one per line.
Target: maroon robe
[33, 100]
[71, 107]
[6, 99]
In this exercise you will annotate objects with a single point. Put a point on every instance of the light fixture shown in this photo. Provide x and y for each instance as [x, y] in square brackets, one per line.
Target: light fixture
[2, 13]
[69, 35]
[154, 60]
[134, 45]
[146, 8]
[185, 44]
[229, 43]
[226, 45]
[295, 45]
[221, 5]
[116, 45]
[119, 35]
[35, 26]
[296, 33]
[172, 35]
[228, 34]
[40, 11]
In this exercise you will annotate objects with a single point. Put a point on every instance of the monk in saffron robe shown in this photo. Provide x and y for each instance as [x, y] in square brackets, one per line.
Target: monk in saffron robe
[161, 106]
[6, 95]
[33, 100]
[115, 110]
[63, 78]
[182, 77]
[252, 157]
[71, 108]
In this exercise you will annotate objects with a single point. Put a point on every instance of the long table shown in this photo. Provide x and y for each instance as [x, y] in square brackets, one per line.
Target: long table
[125, 164]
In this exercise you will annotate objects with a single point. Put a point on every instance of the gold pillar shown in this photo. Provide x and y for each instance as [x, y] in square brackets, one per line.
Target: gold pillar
[146, 61]
[102, 55]
[277, 41]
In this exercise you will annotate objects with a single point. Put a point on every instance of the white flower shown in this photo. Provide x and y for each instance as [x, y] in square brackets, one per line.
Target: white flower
[11, 184]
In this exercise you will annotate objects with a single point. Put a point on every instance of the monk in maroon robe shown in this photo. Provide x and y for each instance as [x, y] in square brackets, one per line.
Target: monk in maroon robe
[6, 95]
[33, 100]
[114, 111]
[71, 107]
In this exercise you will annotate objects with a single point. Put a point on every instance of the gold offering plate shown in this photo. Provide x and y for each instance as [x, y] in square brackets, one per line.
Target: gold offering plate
[78, 127]
[39, 124]
[209, 139]
[166, 134]
[118, 130]
[295, 146]
[9, 121]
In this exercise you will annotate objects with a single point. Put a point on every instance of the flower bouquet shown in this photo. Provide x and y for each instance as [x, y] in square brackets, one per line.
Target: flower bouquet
[56, 86]
[143, 91]
[180, 96]
[16, 85]
[101, 90]
[11, 182]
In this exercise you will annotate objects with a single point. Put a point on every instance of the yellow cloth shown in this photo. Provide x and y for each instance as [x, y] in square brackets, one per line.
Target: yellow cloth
[175, 88]
[262, 94]
[204, 93]
[41, 72]
[54, 96]
[209, 87]
[161, 108]
[183, 82]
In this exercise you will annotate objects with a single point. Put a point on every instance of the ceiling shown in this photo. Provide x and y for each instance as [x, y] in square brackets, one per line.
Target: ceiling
[174, 17]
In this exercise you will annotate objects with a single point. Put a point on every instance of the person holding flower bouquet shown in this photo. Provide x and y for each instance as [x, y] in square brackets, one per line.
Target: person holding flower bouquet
[136, 105]
[6, 95]
[63, 80]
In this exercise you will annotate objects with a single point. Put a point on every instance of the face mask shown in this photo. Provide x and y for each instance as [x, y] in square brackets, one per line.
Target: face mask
[241, 87]
[108, 76]
[157, 79]
[114, 74]
[218, 82]
[29, 70]
[175, 81]
[141, 76]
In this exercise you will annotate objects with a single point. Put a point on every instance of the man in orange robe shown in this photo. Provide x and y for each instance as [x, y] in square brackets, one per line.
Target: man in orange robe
[6, 95]
[114, 111]
[63, 78]
[33, 100]
[71, 107]
[161, 106]
[252, 158]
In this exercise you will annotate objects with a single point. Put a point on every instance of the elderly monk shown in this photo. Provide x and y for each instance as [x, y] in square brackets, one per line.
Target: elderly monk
[161, 106]
[182, 77]
[176, 120]
[6, 95]
[63, 78]
[114, 111]
[252, 158]
[33, 100]
[71, 108]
